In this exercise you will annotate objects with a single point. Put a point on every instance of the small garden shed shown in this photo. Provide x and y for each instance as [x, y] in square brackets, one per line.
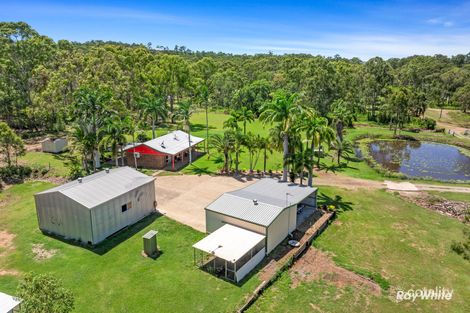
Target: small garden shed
[54, 145]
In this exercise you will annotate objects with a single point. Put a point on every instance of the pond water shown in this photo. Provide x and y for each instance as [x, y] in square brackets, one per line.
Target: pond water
[422, 159]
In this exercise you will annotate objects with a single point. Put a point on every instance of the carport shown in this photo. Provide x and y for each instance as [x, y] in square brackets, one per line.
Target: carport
[230, 252]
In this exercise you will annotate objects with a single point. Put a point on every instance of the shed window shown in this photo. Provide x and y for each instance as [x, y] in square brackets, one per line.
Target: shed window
[126, 207]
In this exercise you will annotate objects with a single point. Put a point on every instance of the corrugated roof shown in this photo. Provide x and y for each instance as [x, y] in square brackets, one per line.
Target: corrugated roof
[171, 143]
[245, 209]
[273, 191]
[270, 196]
[101, 187]
[229, 242]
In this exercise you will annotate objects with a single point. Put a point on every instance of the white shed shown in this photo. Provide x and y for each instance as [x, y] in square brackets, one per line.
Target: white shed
[92, 208]
[9, 304]
[270, 208]
[54, 145]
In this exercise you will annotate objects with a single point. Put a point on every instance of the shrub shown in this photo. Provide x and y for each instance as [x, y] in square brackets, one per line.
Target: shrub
[423, 123]
[44, 293]
[463, 248]
[15, 174]
[142, 137]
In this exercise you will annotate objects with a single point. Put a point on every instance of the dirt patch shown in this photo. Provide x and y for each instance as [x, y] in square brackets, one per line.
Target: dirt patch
[318, 265]
[40, 253]
[6, 242]
[343, 181]
[9, 272]
[455, 209]
[36, 147]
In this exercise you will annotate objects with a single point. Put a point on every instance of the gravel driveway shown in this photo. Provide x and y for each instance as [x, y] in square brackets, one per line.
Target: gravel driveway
[184, 197]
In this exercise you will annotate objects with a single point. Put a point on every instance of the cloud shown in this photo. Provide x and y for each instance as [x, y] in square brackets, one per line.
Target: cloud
[440, 21]
[359, 45]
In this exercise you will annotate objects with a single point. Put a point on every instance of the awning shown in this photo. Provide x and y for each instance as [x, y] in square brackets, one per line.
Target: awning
[229, 242]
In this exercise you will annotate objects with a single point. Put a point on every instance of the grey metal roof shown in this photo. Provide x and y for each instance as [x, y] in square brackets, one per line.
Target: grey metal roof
[271, 200]
[171, 143]
[102, 186]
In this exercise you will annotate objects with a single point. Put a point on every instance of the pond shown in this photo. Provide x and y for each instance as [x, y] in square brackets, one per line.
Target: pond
[422, 159]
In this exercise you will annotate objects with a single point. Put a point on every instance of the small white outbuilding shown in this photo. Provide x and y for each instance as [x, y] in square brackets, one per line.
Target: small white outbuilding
[92, 208]
[54, 145]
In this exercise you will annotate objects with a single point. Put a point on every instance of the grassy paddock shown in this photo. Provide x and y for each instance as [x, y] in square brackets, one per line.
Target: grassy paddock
[54, 162]
[115, 277]
[407, 245]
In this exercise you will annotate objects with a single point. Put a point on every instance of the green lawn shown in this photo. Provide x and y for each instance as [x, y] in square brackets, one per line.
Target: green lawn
[355, 168]
[120, 280]
[408, 245]
[54, 162]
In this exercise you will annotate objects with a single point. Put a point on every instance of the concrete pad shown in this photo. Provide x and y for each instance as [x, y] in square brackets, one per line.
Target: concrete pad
[401, 186]
[184, 197]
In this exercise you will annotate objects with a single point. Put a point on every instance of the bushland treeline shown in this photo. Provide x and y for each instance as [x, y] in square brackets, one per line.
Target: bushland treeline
[40, 79]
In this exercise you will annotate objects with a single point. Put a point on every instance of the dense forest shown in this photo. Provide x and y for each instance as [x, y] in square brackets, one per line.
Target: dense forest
[40, 78]
[105, 91]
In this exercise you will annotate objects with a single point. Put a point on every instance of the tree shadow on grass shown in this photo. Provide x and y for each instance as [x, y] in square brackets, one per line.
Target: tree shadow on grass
[199, 127]
[338, 202]
[115, 239]
[335, 167]
[196, 170]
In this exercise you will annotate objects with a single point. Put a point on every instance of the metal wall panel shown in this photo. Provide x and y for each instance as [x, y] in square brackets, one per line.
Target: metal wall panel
[216, 220]
[108, 218]
[62, 216]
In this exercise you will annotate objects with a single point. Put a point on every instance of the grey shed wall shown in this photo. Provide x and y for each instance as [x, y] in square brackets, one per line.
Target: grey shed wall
[216, 220]
[279, 229]
[63, 216]
[107, 218]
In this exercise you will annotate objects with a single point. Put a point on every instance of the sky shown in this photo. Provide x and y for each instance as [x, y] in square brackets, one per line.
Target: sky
[351, 28]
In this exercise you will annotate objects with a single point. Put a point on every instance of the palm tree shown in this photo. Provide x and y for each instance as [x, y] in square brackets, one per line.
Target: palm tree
[283, 110]
[253, 144]
[266, 146]
[90, 109]
[341, 116]
[113, 135]
[245, 115]
[344, 148]
[232, 121]
[239, 141]
[203, 96]
[131, 127]
[326, 134]
[299, 162]
[223, 144]
[155, 109]
[184, 113]
[316, 130]
[309, 124]
[81, 143]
